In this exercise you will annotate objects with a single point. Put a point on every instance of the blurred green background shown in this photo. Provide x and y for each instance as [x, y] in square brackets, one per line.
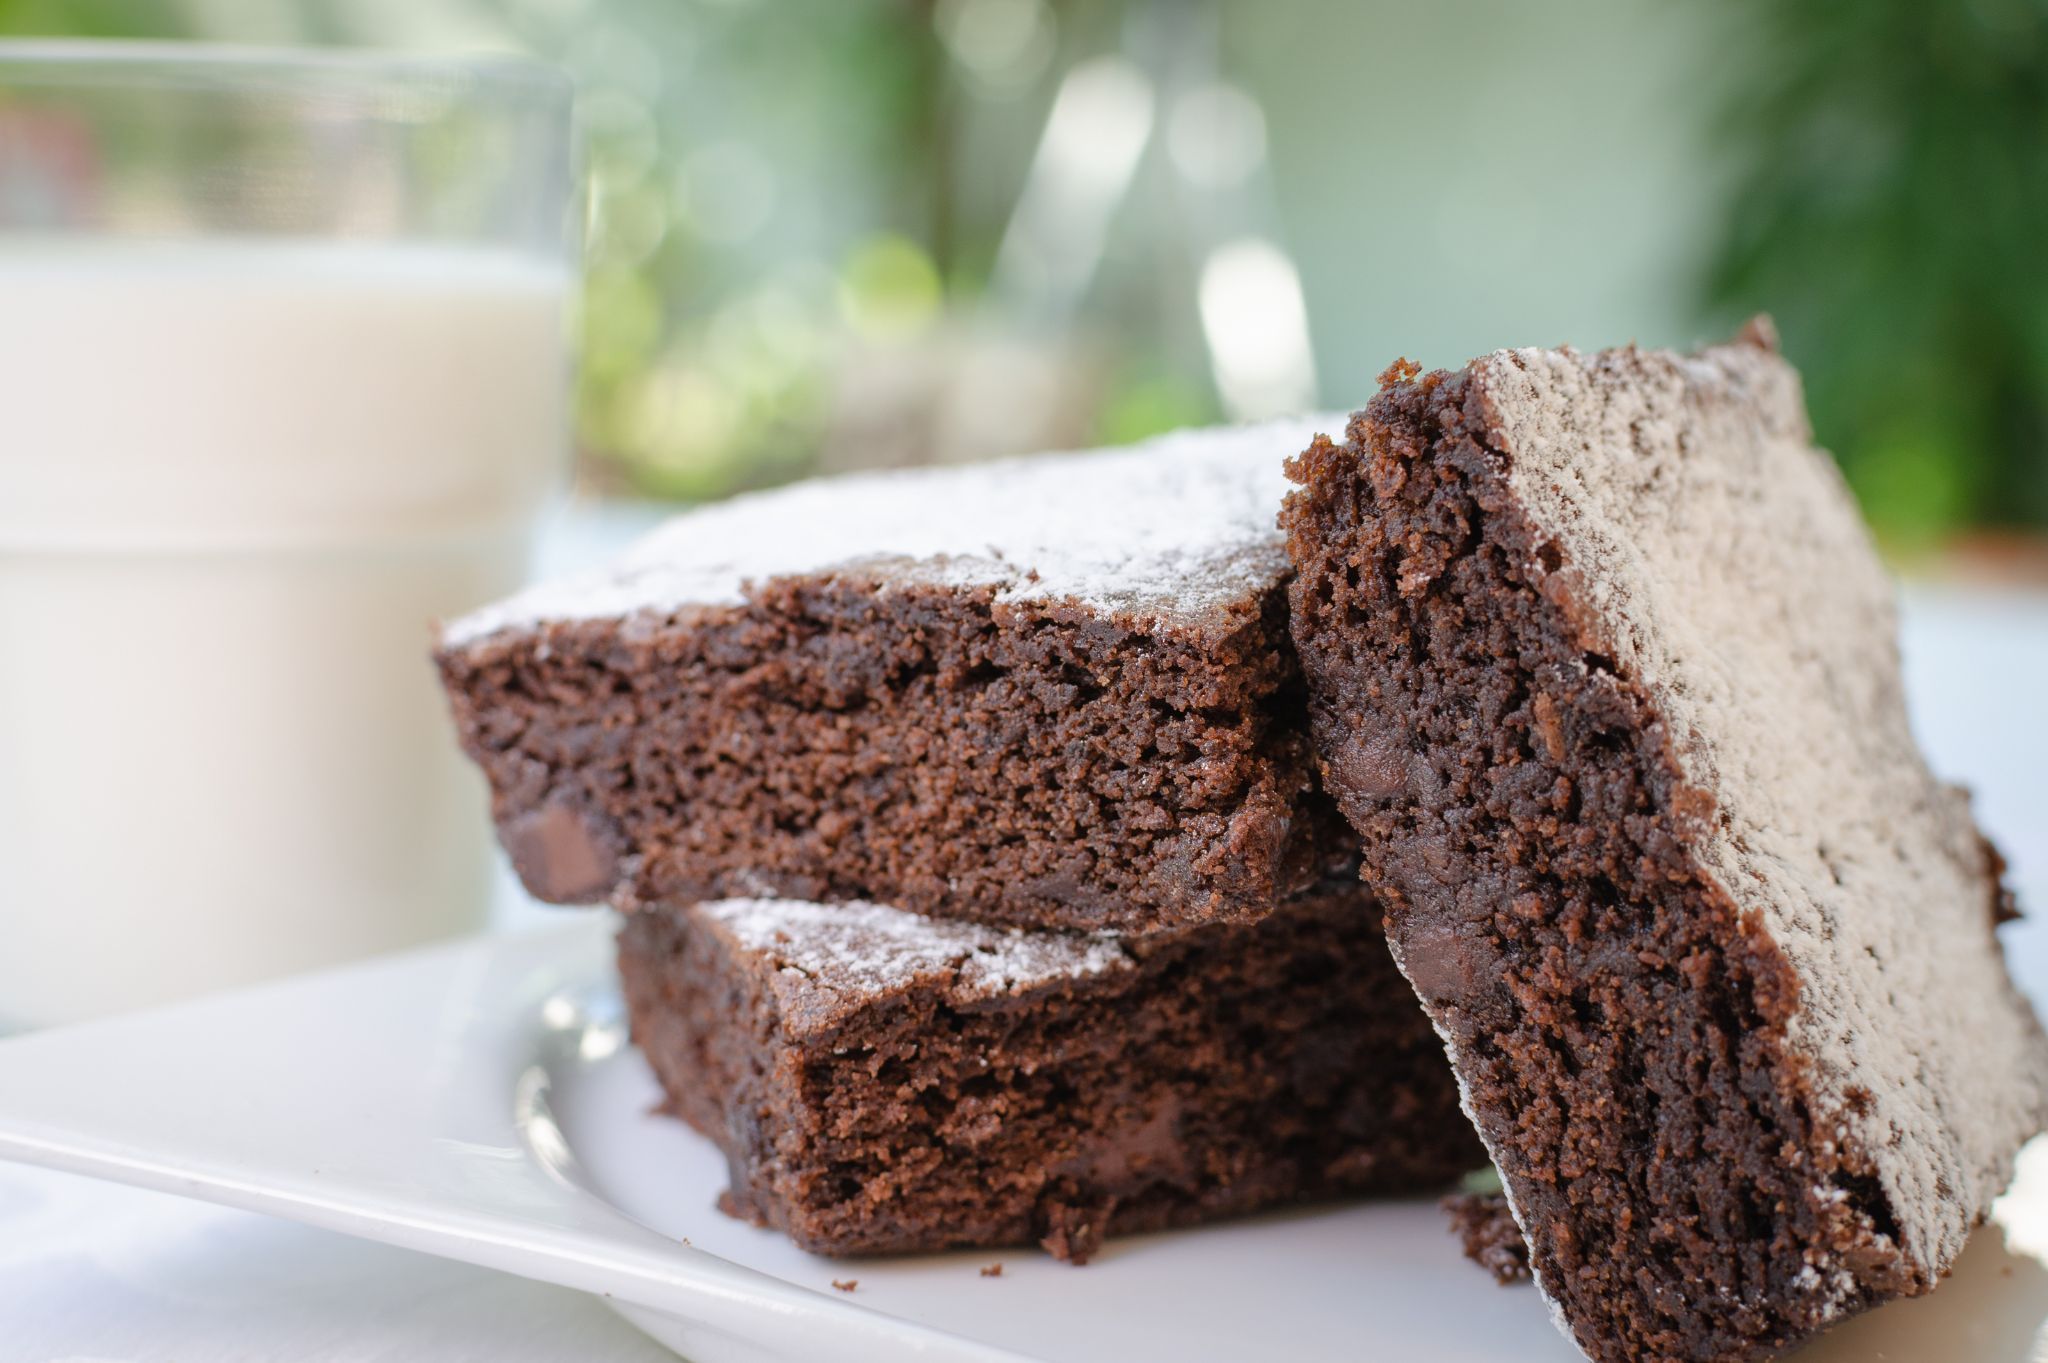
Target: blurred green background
[840, 233]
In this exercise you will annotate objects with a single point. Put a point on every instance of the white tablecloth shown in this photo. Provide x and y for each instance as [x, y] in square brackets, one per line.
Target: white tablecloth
[95, 1274]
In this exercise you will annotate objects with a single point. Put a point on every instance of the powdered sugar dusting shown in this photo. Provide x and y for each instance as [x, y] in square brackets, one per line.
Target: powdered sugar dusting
[1163, 532]
[861, 948]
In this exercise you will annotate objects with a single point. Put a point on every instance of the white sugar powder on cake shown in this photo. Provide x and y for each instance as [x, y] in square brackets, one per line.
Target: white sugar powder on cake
[863, 948]
[1159, 532]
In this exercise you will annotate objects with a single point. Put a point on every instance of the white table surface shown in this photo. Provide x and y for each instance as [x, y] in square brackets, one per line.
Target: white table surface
[98, 1274]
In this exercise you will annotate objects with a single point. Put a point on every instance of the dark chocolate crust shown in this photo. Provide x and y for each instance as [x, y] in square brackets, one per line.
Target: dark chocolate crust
[1620, 1029]
[1227, 1069]
[874, 735]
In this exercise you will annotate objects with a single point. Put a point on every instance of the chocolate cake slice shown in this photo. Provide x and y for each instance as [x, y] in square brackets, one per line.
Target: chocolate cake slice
[882, 1081]
[1602, 669]
[1052, 692]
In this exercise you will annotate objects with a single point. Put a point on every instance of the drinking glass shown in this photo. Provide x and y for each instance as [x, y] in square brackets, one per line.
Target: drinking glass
[283, 380]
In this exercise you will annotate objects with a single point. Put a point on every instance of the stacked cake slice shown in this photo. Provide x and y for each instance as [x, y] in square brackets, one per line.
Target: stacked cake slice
[883, 1081]
[1050, 693]
[979, 885]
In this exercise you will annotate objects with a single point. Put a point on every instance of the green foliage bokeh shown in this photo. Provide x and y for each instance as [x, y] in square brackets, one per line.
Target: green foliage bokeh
[1892, 212]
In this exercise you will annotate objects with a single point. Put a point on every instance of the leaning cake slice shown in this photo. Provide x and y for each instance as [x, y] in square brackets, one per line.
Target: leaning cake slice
[880, 1081]
[1602, 669]
[1050, 692]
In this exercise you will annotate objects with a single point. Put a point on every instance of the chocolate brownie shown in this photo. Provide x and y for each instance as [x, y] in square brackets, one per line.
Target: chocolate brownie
[882, 1081]
[1602, 670]
[1053, 692]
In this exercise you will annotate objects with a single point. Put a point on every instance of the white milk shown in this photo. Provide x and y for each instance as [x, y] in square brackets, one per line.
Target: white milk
[238, 480]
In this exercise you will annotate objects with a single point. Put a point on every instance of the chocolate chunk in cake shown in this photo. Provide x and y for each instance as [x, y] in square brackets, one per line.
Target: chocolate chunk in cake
[881, 1081]
[1602, 669]
[1053, 692]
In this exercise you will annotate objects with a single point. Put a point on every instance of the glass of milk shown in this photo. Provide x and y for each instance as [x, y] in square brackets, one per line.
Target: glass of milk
[283, 381]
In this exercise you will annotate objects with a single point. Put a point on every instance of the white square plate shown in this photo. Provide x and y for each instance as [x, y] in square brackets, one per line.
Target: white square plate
[478, 1102]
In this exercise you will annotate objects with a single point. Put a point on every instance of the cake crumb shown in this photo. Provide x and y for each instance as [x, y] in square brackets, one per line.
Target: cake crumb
[992, 1271]
[845, 1284]
[1492, 1239]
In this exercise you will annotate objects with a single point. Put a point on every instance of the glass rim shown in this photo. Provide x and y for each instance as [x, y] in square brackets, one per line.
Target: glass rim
[230, 66]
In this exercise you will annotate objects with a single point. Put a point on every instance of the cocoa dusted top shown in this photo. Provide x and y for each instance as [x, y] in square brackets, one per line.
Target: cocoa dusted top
[1172, 531]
